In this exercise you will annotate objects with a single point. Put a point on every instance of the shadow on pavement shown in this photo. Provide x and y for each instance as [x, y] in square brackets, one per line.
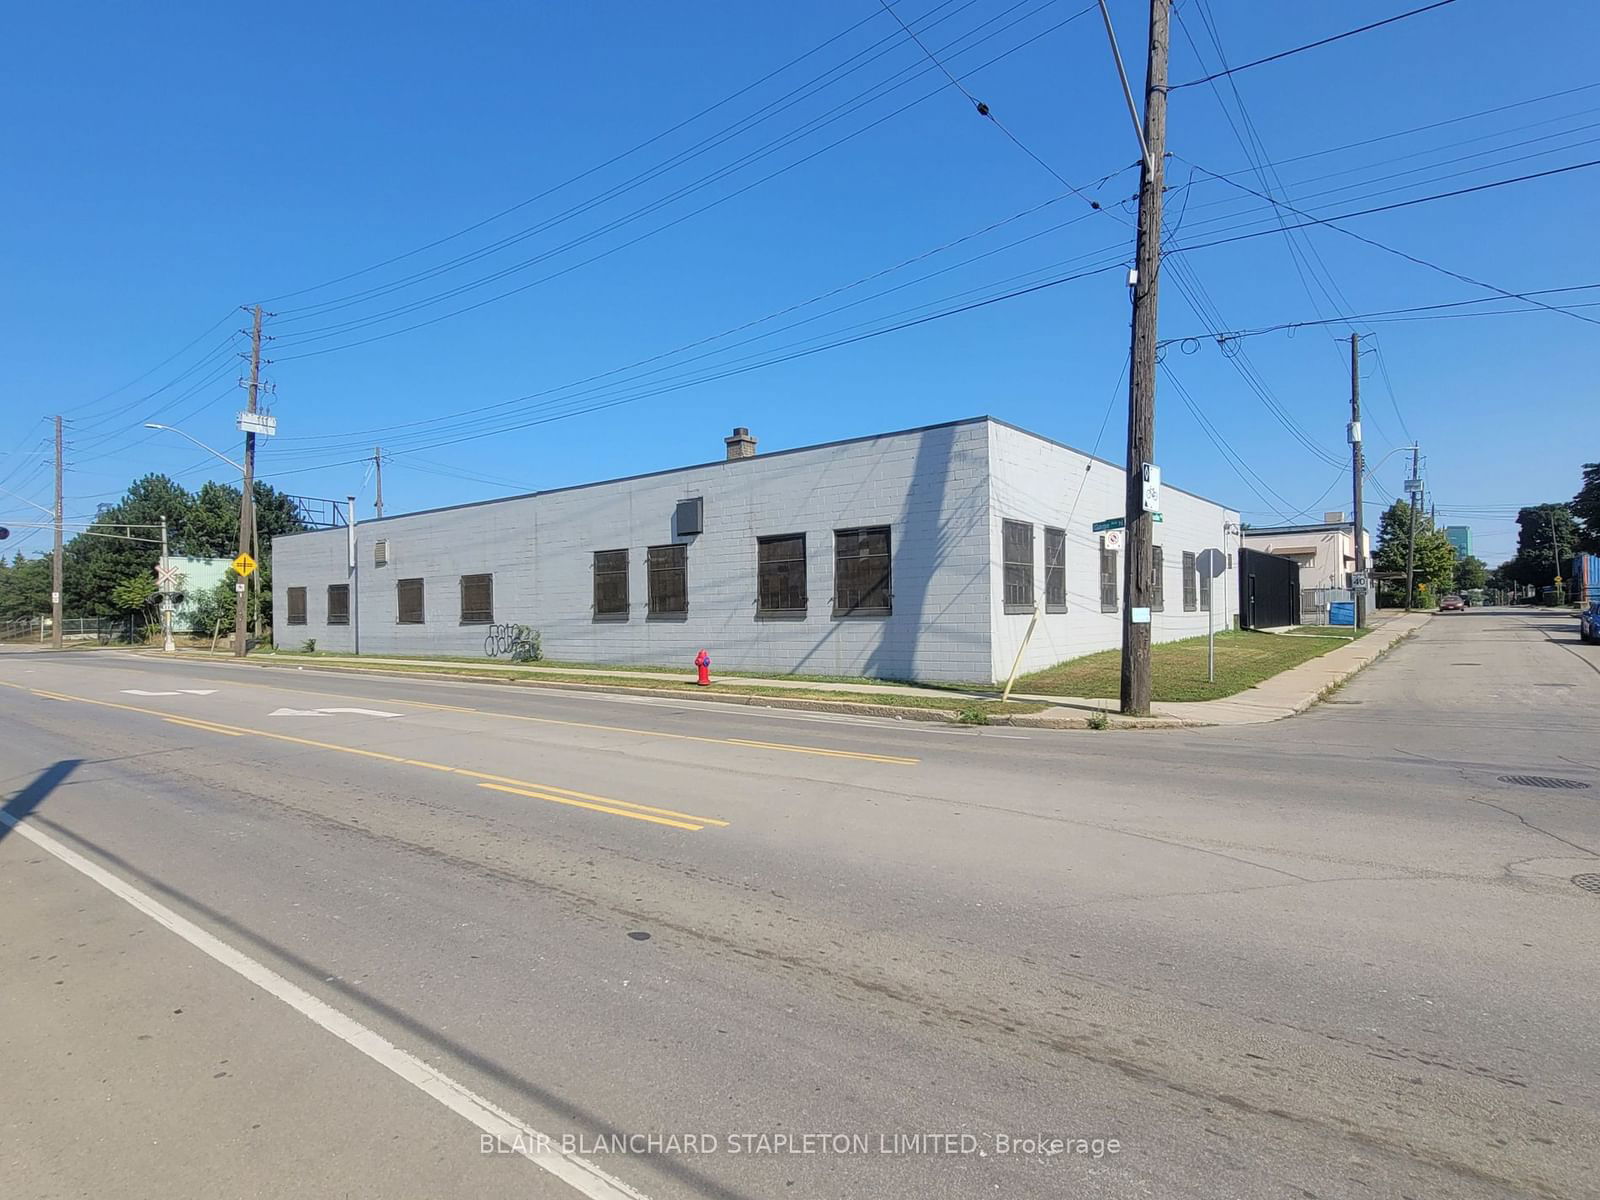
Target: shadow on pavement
[585, 1121]
[29, 798]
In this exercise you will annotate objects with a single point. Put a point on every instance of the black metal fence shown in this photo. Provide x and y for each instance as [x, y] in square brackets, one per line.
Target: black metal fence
[1269, 590]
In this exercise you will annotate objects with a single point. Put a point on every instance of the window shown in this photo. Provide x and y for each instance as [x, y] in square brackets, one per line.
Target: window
[611, 583]
[862, 578]
[477, 599]
[1055, 570]
[1205, 592]
[1189, 590]
[1016, 542]
[380, 552]
[297, 606]
[338, 604]
[1158, 586]
[668, 580]
[781, 574]
[1108, 579]
[408, 597]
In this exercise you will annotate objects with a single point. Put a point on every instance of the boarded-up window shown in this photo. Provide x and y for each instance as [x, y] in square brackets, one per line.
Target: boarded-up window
[781, 574]
[669, 585]
[477, 599]
[1055, 570]
[610, 583]
[1108, 580]
[408, 600]
[1016, 540]
[338, 604]
[297, 606]
[1190, 588]
[1158, 586]
[862, 581]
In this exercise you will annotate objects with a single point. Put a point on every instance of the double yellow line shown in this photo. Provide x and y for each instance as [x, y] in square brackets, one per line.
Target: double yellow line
[498, 783]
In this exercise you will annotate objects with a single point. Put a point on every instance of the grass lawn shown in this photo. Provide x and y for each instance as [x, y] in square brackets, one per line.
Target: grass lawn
[1178, 669]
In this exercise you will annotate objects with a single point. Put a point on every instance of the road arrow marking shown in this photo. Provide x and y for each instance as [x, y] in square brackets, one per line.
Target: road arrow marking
[179, 692]
[329, 712]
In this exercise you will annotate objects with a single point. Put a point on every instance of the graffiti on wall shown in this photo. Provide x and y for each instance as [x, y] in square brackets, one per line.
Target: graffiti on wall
[519, 643]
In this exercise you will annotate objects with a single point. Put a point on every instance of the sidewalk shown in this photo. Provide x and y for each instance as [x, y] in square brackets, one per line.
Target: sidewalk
[1283, 695]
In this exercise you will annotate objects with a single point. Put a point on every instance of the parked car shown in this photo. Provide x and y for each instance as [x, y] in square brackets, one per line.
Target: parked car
[1451, 603]
[1589, 623]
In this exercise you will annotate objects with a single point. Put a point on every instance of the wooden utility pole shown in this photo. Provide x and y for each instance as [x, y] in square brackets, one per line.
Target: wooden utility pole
[1411, 535]
[377, 466]
[1356, 469]
[1138, 586]
[247, 515]
[55, 559]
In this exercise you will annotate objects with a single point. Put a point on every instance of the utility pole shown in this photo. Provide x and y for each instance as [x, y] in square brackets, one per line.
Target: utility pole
[55, 560]
[1136, 575]
[247, 515]
[1411, 536]
[166, 593]
[1555, 554]
[1356, 468]
[377, 466]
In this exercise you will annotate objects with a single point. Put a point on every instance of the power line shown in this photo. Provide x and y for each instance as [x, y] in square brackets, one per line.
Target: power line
[1328, 221]
[594, 170]
[1338, 37]
[354, 325]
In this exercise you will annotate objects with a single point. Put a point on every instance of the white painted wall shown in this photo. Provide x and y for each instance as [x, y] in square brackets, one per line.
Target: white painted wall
[1048, 484]
[929, 486]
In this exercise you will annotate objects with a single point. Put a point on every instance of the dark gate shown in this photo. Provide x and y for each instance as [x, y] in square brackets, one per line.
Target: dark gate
[1269, 590]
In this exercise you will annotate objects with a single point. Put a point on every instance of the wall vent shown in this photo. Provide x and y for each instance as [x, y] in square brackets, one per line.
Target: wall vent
[380, 552]
[690, 517]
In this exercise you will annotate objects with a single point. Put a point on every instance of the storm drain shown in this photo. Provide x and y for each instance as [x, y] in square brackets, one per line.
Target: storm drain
[1544, 781]
[1589, 883]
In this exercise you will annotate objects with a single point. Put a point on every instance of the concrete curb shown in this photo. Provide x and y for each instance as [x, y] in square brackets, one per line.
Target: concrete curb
[934, 716]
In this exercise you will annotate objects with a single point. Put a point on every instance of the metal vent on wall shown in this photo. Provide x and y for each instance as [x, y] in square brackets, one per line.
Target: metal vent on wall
[380, 553]
[689, 517]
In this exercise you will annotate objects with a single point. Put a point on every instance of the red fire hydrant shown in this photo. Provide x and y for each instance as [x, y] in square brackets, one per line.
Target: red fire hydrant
[702, 661]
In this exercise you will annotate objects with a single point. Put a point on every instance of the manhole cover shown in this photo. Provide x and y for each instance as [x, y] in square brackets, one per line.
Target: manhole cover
[1589, 883]
[1544, 781]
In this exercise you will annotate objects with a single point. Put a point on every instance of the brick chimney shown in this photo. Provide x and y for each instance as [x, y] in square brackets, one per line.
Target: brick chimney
[741, 444]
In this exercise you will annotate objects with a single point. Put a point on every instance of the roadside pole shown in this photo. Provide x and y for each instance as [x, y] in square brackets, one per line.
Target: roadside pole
[1356, 466]
[55, 559]
[1411, 536]
[1137, 582]
[166, 594]
[247, 492]
[355, 573]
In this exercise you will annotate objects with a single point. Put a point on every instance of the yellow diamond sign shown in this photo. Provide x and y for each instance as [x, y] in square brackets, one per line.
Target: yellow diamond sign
[244, 564]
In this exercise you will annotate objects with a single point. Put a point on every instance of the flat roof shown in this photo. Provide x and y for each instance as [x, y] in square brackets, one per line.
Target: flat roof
[722, 462]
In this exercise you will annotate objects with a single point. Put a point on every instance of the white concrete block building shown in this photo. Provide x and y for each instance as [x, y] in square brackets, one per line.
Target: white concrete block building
[912, 555]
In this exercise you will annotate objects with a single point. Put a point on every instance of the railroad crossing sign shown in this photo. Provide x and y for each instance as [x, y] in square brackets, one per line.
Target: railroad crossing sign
[167, 578]
[244, 564]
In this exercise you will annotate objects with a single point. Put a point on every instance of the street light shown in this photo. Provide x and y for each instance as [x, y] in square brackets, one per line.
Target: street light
[246, 523]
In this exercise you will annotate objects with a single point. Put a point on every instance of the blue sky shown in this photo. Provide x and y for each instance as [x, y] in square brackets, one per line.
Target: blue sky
[165, 164]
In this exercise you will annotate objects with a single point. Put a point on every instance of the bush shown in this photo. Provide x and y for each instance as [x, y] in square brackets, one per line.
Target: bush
[310, 646]
[973, 714]
[1098, 720]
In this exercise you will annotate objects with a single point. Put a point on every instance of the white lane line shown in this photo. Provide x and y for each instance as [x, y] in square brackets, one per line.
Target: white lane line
[328, 712]
[579, 1173]
[179, 692]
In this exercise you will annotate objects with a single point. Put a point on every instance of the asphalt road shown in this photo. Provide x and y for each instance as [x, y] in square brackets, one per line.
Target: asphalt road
[1332, 956]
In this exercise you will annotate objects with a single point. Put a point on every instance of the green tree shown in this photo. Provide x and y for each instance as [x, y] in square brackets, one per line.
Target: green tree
[1546, 534]
[1586, 508]
[213, 609]
[1434, 561]
[135, 594]
[1471, 574]
[24, 588]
